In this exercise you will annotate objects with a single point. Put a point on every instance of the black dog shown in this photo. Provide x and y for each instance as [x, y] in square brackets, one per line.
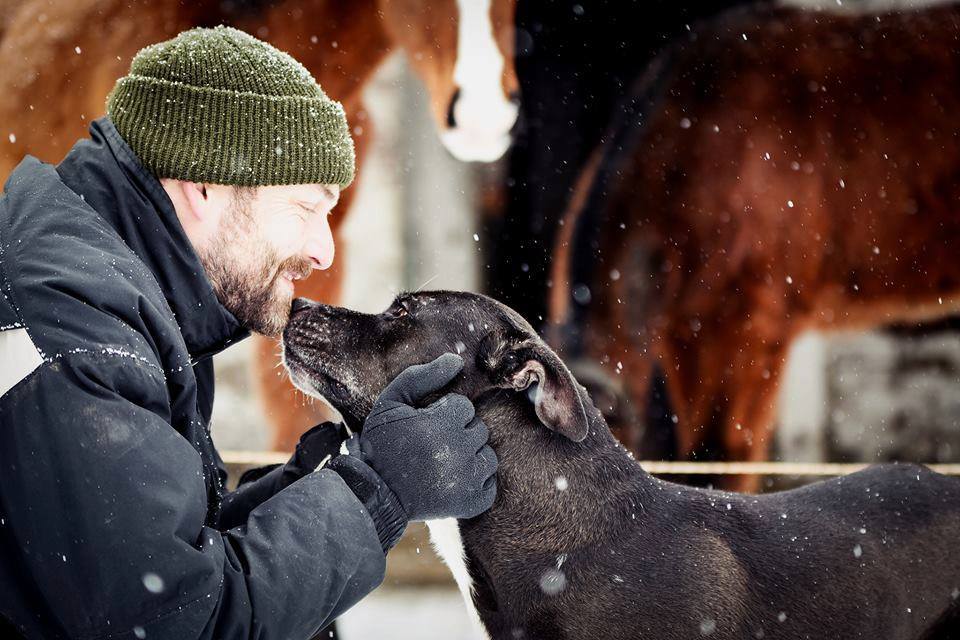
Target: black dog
[582, 543]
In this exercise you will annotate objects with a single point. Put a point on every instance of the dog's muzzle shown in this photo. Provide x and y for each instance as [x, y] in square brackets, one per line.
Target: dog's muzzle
[301, 305]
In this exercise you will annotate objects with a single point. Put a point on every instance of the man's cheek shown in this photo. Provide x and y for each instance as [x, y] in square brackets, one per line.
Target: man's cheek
[285, 234]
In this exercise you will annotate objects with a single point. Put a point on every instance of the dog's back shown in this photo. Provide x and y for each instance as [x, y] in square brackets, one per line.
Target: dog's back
[867, 555]
[870, 555]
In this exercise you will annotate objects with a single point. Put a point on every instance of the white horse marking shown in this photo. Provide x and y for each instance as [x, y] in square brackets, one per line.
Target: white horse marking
[483, 114]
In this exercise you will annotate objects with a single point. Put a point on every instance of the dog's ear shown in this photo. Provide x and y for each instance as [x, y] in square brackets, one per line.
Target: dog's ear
[532, 367]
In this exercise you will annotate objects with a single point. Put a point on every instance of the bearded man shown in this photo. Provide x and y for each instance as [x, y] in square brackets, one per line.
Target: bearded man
[177, 227]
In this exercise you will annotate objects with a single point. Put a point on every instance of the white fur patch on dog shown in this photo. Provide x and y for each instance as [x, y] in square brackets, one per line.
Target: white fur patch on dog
[19, 357]
[445, 536]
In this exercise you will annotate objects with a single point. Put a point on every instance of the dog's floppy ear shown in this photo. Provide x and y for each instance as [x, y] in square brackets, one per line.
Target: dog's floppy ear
[533, 367]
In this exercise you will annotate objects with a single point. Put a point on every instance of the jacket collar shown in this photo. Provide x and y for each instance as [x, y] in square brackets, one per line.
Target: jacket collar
[107, 174]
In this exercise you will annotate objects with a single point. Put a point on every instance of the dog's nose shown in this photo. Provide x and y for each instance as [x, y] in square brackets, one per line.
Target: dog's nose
[300, 305]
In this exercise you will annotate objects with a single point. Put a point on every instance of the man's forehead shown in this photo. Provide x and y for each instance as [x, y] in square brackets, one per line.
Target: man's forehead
[331, 191]
[314, 191]
[306, 192]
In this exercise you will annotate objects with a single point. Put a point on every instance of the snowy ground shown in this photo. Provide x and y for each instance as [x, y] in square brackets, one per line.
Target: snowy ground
[408, 614]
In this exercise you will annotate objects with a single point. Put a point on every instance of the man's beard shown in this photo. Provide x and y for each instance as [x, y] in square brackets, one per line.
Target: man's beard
[245, 272]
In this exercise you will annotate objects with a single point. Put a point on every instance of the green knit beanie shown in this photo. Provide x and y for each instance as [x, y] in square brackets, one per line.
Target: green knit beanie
[220, 106]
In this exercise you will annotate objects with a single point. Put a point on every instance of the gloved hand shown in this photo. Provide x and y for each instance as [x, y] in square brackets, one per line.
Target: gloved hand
[435, 459]
[257, 485]
[317, 445]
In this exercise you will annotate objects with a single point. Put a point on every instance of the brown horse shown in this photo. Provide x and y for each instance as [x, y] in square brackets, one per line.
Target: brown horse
[777, 171]
[60, 58]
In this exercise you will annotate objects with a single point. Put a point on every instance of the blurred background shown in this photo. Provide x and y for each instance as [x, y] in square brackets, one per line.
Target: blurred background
[422, 218]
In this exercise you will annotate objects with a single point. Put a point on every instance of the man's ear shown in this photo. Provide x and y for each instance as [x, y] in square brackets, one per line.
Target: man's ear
[199, 207]
[535, 368]
[196, 197]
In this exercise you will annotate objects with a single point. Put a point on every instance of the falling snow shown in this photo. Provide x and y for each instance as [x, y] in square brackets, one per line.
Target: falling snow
[707, 627]
[153, 582]
[553, 581]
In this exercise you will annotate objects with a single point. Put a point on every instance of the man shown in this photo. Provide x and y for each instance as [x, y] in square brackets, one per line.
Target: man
[179, 225]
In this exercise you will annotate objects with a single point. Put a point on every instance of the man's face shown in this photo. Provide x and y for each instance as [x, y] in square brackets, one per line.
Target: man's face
[266, 238]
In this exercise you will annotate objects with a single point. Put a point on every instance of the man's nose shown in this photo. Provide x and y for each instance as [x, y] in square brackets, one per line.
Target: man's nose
[319, 246]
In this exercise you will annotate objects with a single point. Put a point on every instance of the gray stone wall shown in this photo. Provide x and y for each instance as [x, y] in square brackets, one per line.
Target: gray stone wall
[872, 397]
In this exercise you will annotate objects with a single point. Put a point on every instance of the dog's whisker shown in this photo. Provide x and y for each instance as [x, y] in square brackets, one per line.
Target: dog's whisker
[431, 279]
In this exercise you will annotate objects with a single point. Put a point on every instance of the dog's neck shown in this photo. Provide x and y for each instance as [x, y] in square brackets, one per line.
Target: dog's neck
[556, 491]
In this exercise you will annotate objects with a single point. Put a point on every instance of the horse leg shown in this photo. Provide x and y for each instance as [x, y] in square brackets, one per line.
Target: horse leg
[644, 434]
[658, 440]
[749, 409]
[723, 386]
[691, 395]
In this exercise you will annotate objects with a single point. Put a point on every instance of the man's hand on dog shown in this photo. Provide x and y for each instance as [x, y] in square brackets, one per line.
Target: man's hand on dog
[435, 459]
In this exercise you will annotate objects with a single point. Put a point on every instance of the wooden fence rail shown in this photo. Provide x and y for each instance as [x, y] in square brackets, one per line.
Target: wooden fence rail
[247, 459]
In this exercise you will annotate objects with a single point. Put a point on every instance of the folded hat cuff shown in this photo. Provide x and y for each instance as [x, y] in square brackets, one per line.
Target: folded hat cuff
[232, 137]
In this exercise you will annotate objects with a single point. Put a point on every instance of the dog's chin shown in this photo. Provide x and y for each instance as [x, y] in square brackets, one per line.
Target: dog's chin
[321, 385]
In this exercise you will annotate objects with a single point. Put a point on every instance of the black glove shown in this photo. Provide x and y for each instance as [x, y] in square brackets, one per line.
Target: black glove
[316, 445]
[435, 459]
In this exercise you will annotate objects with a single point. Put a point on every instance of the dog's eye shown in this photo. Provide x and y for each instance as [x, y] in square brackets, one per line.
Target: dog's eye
[397, 310]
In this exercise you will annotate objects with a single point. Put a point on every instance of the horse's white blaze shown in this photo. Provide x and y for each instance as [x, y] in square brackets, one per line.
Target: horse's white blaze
[484, 115]
[445, 536]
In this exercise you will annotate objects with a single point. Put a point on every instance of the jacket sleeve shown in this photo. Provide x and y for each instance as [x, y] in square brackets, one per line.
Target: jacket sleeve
[256, 485]
[105, 503]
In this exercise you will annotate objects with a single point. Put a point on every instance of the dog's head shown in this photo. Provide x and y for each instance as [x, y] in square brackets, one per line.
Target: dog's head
[348, 358]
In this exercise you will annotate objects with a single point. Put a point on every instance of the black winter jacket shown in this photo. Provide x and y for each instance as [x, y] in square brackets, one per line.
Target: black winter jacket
[111, 491]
